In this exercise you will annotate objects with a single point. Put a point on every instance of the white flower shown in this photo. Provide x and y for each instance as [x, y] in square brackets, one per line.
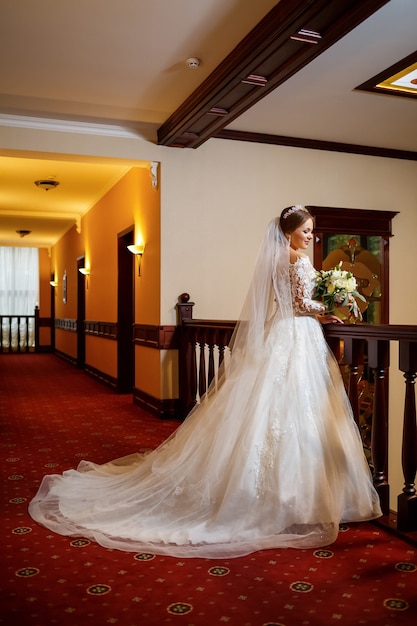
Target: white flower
[338, 287]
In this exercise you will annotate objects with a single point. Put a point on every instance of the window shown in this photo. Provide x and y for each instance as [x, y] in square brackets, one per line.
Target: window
[19, 295]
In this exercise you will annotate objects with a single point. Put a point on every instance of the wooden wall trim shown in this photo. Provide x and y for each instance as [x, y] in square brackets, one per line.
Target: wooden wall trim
[63, 323]
[151, 336]
[158, 337]
[316, 144]
[104, 330]
[66, 357]
[45, 322]
[102, 377]
[164, 409]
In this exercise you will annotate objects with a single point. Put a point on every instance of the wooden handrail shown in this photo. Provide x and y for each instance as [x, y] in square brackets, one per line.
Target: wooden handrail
[356, 346]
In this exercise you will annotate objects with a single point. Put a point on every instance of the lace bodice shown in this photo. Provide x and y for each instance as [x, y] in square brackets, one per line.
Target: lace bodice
[302, 277]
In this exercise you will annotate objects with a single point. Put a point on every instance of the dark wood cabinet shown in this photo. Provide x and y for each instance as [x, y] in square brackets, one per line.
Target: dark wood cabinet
[360, 239]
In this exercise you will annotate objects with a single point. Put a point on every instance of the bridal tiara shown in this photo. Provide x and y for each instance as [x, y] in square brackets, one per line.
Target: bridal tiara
[294, 209]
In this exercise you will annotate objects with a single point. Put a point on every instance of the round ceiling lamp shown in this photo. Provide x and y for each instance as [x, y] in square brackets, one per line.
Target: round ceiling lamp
[46, 184]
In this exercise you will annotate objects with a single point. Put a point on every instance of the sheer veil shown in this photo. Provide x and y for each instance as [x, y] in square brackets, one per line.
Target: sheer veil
[269, 295]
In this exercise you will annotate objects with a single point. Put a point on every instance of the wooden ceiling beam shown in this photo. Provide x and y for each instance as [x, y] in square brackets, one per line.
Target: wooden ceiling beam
[291, 35]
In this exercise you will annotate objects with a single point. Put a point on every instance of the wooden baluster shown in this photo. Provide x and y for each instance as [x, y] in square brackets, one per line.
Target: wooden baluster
[17, 334]
[10, 333]
[190, 378]
[407, 500]
[27, 333]
[353, 357]
[202, 368]
[192, 372]
[224, 338]
[36, 329]
[335, 345]
[222, 348]
[211, 368]
[378, 359]
[22, 332]
[211, 342]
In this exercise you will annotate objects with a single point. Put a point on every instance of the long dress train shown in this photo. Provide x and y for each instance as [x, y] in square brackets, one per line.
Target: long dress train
[273, 459]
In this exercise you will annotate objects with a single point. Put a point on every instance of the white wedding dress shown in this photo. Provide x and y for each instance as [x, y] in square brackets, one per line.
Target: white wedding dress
[273, 459]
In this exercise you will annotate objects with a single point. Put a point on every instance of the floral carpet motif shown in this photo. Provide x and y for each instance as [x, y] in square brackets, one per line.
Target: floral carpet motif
[54, 415]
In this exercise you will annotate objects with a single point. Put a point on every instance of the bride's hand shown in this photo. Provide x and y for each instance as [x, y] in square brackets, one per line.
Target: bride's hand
[328, 318]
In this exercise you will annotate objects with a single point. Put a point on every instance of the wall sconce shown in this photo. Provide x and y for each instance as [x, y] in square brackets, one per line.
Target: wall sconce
[137, 250]
[53, 283]
[85, 271]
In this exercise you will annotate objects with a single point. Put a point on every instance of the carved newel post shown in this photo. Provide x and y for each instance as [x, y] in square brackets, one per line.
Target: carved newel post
[187, 372]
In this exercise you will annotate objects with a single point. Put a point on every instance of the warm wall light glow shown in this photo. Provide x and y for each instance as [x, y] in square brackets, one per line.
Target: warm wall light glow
[137, 250]
[53, 283]
[84, 270]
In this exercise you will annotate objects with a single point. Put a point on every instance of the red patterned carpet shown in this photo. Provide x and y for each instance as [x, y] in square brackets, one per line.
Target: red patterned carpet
[52, 417]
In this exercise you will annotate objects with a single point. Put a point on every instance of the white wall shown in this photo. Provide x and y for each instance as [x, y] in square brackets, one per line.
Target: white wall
[217, 201]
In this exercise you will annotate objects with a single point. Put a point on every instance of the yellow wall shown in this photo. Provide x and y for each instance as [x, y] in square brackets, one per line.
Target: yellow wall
[147, 217]
[101, 354]
[44, 295]
[64, 261]
[66, 343]
[99, 227]
[147, 371]
[131, 202]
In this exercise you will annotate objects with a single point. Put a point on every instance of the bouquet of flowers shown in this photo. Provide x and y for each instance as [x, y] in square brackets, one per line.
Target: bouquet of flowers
[337, 288]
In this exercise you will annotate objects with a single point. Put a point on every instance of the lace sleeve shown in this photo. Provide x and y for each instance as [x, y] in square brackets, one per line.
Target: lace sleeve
[302, 284]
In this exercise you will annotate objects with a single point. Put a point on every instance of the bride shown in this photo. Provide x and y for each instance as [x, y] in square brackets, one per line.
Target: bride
[269, 458]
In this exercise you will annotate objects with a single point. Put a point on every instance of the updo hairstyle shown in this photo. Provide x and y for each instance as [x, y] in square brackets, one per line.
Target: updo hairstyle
[292, 217]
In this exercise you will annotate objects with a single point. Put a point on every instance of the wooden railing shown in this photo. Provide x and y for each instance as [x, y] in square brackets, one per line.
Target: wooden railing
[19, 333]
[360, 345]
[200, 340]
[362, 350]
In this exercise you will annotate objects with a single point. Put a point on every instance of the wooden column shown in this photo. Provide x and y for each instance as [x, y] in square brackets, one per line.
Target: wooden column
[378, 359]
[407, 500]
[353, 357]
[186, 357]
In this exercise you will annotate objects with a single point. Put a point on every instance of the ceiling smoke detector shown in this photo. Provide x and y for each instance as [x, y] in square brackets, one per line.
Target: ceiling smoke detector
[46, 184]
[193, 63]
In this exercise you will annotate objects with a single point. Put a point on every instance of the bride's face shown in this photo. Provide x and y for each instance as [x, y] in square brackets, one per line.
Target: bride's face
[301, 237]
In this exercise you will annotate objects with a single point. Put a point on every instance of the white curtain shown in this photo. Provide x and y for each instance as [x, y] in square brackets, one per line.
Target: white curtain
[19, 294]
